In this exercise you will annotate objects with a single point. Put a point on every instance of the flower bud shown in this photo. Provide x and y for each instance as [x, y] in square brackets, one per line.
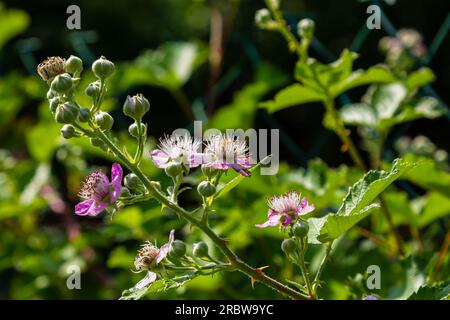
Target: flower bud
[53, 104]
[262, 17]
[132, 182]
[133, 130]
[68, 131]
[178, 248]
[136, 106]
[74, 65]
[104, 120]
[209, 171]
[51, 94]
[103, 68]
[206, 189]
[125, 192]
[84, 115]
[50, 68]
[305, 28]
[96, 142]
[93, 89]
[200, 250]
[173, 169]
[66, 113]
[62, 83]
[300, 229]
[288, 246]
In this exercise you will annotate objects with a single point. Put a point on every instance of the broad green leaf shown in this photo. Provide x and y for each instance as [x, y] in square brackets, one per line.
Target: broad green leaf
[321, 77]
[419, 78]
[238, 179]
[435, 206]
[12, 22]
[357, 204]
[429, 175]
[440, 291]
[386, 99]
[359, 114]
[424, 107]
[170, 66]
[414, 278]
[375, 74]
[292, 95]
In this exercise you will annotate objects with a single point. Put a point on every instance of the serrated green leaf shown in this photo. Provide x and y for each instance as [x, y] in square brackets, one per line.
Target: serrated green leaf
[359, 114]
[419, 78]
[290, 96]
[435, 292]
[357, 204]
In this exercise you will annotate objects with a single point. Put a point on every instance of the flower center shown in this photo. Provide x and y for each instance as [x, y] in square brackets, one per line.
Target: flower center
[96, 186]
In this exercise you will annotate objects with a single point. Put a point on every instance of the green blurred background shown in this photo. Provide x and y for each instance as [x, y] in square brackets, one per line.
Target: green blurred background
[204, 56]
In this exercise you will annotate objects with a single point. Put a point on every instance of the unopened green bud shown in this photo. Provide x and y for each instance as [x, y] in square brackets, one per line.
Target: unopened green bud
[305, 28]
[300, 229]
[84, 115]
[104, 120]
[178, 248]
[96, 142]
[93, 89]
[209, 171]
[132, 182]
[125, 192]
[68, 131]
[206, 189]
[134, 132]
[173, 169]
[103, 68]
[200, 250]
[288, 246]
[262, 17]
[53, 104]
[62, 83]
[51, 94]
[66, 113]
[73, 65]
[136, 106]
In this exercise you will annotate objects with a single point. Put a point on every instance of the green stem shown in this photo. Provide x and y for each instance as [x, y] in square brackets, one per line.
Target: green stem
[234, 260]
[322, 265]
[304, 270]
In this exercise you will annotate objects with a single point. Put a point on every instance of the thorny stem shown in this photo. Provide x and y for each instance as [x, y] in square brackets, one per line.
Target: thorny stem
[234, 260]
[343, 133]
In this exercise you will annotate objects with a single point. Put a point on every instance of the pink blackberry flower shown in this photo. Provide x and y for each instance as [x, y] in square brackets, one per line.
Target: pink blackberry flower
[225, 151]
[99, 192]
[286, 208]
[180, 149]
[150, 256]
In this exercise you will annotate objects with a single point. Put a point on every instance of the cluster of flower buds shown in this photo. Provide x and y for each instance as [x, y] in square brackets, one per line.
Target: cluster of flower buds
[404, 50]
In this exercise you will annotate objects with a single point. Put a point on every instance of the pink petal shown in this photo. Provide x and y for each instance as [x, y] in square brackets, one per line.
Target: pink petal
[149, 278]
[271, 222]
[159, 158]
[241, 170]
[196, 159]
[97, 208]
[305, 207]
[83, 208]
[165, 248]
[116, 182]
[287, 220]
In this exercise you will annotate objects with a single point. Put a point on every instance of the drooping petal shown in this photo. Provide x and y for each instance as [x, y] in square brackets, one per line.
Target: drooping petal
[97, 208]
[271, 222]
[196, 159]
[83, 208]
[165, 248]
[116, 182]
[159, 158]
[305, 207]
[149, 278]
